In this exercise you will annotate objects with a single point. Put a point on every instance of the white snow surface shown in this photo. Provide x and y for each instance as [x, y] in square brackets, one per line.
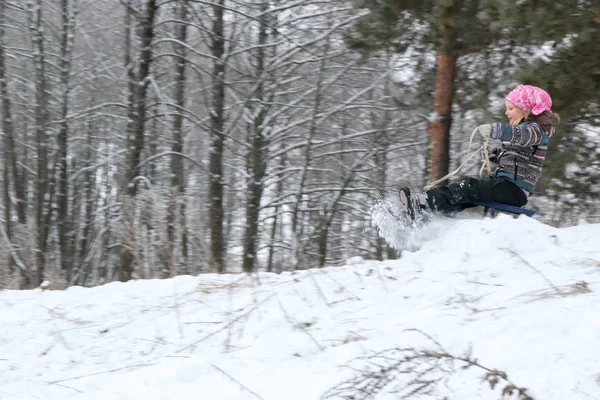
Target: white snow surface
[516, 295]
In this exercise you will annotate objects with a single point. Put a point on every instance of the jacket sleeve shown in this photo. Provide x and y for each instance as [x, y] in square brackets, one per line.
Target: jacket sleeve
[525, 135]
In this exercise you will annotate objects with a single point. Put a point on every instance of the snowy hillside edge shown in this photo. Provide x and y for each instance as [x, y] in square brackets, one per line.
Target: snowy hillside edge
[504, 307]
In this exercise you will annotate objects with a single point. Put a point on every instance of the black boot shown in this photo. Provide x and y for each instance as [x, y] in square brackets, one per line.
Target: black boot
[405, 199]
[415, 203]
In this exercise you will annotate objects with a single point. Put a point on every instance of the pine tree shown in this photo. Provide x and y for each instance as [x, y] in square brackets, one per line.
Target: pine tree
[453, 28]
[571, 73]
[546, 43]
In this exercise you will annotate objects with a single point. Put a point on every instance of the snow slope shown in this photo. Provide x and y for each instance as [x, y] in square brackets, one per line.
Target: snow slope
[510, 295]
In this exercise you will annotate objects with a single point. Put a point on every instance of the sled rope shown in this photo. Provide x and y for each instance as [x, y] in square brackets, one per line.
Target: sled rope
[484, 165]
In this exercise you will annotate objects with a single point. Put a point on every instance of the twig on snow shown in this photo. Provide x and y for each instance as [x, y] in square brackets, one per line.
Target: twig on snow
[417, 372]
[355, 297]
[68, 387]
[381, 280]
[238, 382]
[485, 284]
[520, 257]
[300, 326]
[97, 373]
[233, 321]
[319, 290]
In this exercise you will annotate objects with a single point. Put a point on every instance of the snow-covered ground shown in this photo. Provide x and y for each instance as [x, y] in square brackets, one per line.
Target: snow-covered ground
[513, 296]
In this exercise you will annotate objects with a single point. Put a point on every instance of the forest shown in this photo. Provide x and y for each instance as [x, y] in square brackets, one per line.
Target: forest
[152, 138]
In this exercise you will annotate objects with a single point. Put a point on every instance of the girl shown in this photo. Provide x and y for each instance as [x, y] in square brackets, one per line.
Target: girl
[519, 158]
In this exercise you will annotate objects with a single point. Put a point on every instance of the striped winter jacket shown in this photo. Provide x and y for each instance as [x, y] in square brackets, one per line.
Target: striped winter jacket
[524, 148]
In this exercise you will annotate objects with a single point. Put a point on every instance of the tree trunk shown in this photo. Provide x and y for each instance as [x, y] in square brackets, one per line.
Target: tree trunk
[382, 145]
[276, 225]
[329, 211]
[256, 163]
[9, 135]
[10, 158]
[257, 168]
[295, 250]
[323, 236]
[177, 177]
[217, 123]
[64, 224]
[7, 128]
[440, 123]
[136, 139]
[42, 203]
[87, 202]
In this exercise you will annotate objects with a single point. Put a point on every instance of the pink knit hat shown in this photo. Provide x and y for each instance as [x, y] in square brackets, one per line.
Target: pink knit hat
[530, 98]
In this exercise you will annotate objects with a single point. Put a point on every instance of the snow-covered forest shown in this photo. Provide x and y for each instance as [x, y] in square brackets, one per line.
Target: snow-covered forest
[153, 138]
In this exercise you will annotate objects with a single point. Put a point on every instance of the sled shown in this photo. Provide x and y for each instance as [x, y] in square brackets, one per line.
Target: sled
[493, 209]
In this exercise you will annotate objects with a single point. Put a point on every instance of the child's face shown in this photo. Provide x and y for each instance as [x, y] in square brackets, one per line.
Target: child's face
[514, 113]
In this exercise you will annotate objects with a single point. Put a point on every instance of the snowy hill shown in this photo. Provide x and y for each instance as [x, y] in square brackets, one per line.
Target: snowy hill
[498, 297]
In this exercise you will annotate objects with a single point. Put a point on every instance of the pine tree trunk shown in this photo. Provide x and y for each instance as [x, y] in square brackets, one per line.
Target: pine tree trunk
[439, 125]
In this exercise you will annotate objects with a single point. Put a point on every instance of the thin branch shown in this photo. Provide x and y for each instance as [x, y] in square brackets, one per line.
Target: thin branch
[238, 382]
[97, 373]
[514, 253]
[233, 321]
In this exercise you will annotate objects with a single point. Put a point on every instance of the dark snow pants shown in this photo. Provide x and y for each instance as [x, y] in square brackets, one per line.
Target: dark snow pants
[460, 194]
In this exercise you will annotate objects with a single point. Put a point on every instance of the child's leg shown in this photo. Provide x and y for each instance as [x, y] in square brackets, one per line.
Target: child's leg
[505, 192]
[460, 194]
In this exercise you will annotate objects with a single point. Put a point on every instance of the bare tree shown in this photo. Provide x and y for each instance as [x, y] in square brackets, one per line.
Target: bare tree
[136, 136]
[43, 190]
[258, 146]
[9, 131]
[14, 180]
[217, 124]
[64, 221]
[328, 213]
[177, 206]
[86, 224]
